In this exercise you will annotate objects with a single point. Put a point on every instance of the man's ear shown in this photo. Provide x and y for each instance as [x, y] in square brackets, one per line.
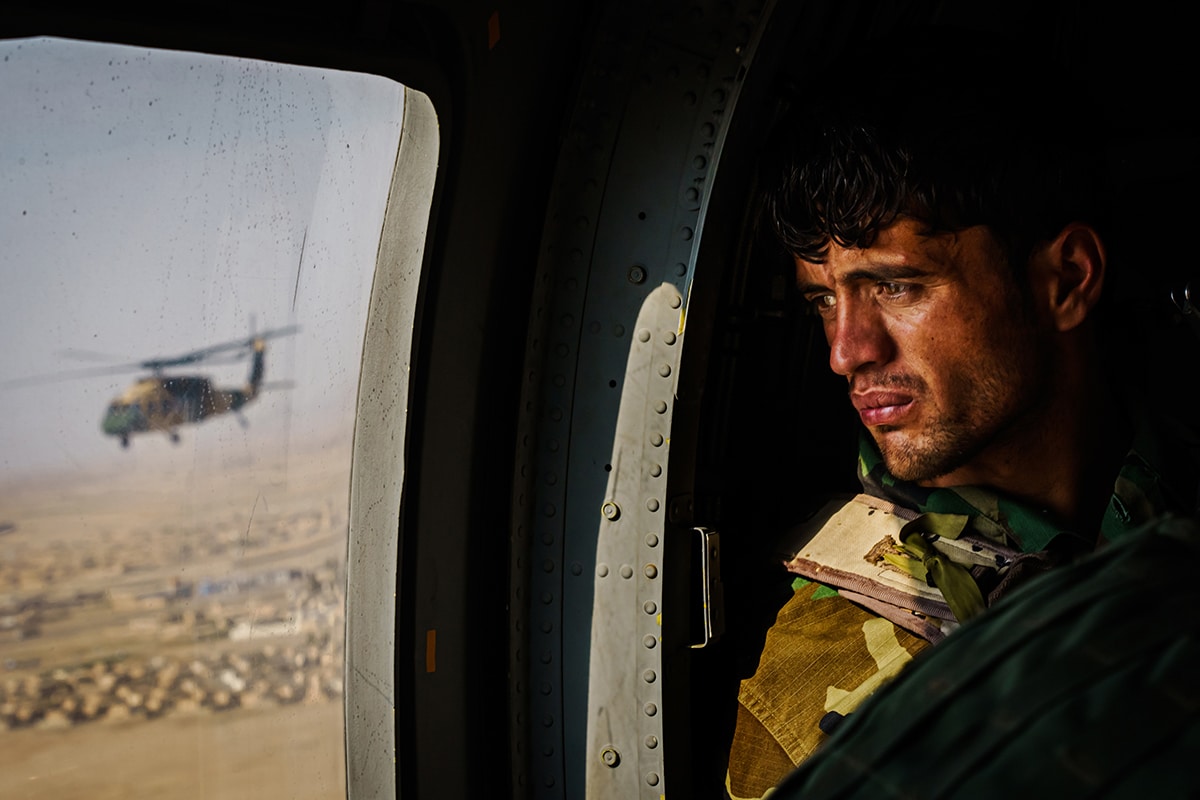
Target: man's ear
[1073, 265]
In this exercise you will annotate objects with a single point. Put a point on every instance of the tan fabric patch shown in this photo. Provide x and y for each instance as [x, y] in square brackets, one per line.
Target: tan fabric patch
[818, 651]
[890, 657]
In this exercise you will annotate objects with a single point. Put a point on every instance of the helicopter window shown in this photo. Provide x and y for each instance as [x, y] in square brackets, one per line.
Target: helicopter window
[173, 591]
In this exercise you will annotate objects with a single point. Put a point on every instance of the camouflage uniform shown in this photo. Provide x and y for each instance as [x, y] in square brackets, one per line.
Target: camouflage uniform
[1081, 685]
[824, 654]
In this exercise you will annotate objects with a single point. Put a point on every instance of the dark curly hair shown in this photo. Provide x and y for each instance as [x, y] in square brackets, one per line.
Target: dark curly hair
[941, 130]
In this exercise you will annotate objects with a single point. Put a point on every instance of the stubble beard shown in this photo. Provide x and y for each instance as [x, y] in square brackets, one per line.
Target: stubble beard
[947, 445]
[987, 411]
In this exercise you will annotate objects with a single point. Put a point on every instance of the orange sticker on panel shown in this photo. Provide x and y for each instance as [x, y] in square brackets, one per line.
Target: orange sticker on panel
[493, 30]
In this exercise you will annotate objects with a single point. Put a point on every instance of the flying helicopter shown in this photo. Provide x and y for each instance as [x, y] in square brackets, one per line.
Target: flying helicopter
[162, 402]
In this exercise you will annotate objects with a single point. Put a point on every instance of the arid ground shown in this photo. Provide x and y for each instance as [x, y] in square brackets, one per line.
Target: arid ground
[174, 632]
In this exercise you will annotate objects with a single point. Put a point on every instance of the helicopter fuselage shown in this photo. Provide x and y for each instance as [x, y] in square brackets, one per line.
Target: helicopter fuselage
[163, 403]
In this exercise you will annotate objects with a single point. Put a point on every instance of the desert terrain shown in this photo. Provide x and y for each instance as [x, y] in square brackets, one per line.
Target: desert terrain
[174, 631]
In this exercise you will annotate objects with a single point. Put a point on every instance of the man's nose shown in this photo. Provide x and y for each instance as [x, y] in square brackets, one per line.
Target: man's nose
[857, 338]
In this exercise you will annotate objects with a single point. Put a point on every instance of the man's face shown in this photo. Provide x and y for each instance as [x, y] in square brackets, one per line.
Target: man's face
[942, 355]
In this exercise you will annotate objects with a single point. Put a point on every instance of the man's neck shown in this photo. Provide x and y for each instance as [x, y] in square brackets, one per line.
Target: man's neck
[1062, 458]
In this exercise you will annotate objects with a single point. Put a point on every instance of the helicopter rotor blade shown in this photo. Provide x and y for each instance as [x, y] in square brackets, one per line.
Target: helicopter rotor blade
[224, 353]
[206, 353]
[69, 375]
[80, 354]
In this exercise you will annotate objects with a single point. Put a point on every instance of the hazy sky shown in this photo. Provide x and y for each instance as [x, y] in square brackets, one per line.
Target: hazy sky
[153, 203]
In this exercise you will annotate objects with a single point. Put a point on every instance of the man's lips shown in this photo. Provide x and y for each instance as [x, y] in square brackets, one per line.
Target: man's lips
[881, 407]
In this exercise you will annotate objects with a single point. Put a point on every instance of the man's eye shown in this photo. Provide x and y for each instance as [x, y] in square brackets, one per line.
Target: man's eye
[895, 291]
[823, 304]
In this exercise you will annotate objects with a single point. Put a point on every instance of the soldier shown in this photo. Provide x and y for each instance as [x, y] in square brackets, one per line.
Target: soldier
[944, 222]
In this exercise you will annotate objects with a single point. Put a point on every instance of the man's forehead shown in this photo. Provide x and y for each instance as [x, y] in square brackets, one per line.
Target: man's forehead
[904, 245]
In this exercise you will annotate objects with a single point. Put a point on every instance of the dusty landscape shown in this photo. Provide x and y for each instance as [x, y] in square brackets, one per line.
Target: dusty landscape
[174, 632]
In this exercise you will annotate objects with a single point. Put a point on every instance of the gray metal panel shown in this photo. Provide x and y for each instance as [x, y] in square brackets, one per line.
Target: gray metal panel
[625, 698]
[377, 467]
[624, 217]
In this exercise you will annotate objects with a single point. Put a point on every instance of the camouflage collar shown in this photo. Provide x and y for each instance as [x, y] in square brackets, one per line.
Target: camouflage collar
[1140, 493]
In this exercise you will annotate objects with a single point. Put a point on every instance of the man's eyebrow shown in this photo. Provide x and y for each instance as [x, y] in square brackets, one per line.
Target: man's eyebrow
[876, 273]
